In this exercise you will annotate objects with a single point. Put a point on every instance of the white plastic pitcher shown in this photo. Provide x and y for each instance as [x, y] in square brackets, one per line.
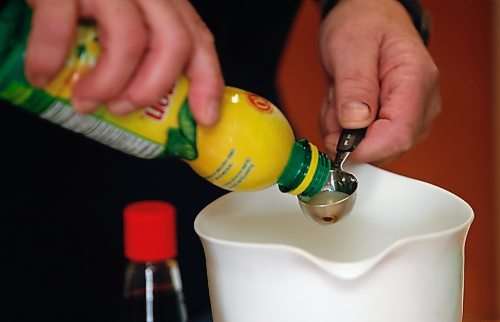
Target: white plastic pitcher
[398, 257]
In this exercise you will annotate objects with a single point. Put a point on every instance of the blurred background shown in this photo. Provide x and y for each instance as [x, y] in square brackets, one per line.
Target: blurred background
[462, 152]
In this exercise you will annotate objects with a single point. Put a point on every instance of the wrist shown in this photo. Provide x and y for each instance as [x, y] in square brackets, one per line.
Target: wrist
[420, 17]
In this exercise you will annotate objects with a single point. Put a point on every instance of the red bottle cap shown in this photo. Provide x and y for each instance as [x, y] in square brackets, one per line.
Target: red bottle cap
[149, 231]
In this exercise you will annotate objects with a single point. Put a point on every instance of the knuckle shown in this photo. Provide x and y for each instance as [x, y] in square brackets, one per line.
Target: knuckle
[359, 80]
[205, 35]
[433, 73]
[140, 98]
[39, 66]
[426, 69]
[405, 140]
[435, 108]
[134, 45]
[358, 85]
[178, 41]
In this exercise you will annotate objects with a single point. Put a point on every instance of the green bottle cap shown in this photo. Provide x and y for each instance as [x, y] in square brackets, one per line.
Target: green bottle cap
[306, 172]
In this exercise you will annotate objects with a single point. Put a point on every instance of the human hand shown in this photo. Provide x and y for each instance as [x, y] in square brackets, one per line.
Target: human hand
[382, 76]
[146, 46]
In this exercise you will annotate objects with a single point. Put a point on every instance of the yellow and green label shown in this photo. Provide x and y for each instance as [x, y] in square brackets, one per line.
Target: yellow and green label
[142, 133]
[251, 147]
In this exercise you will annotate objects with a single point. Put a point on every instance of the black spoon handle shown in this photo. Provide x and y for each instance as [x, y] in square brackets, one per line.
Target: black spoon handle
[349, 139]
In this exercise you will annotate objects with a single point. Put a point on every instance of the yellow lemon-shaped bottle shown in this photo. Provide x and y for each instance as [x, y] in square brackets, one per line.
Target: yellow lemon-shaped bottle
[251, 147]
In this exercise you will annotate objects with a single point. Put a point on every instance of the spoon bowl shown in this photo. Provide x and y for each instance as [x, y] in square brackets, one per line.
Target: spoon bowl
[336, 198]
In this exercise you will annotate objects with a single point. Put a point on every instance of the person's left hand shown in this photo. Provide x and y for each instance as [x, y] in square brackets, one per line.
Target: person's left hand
[382, 77]
[146, 46]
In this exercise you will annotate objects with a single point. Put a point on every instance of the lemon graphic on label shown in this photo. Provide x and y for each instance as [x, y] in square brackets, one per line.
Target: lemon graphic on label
[83, 56]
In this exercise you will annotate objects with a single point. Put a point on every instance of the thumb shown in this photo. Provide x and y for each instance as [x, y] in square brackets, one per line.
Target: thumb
[353, 66]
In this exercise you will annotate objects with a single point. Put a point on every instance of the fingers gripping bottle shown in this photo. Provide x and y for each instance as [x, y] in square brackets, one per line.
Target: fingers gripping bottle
[250, 148]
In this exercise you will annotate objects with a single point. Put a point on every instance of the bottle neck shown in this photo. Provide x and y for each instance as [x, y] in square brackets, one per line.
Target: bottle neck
[153, 292]
[306, 172]
[138, 274]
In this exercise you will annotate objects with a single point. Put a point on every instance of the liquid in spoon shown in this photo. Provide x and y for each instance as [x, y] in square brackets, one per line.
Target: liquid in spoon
[327, 197]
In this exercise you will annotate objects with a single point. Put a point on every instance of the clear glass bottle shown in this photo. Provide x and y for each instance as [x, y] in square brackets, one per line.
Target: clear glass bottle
[153, 287]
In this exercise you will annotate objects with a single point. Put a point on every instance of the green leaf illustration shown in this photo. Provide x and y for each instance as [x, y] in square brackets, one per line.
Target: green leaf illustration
[179, 147]
[182, 141]
[187, 124]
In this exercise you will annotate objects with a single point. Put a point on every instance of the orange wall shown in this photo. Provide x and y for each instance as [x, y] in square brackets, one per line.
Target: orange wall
[456, 155]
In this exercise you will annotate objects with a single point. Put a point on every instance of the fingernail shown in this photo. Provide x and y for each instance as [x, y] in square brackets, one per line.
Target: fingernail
[121, 106]
[211, 113]
[39, 80]
[329, 97]
[354, 111]
[84, 105]
[330, 141]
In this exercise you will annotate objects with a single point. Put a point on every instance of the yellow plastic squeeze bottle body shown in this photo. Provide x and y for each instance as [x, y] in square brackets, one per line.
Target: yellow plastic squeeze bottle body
[250, 148]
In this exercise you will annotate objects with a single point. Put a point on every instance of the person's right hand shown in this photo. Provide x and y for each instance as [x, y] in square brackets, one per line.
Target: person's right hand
[382, 77]
[146, 46]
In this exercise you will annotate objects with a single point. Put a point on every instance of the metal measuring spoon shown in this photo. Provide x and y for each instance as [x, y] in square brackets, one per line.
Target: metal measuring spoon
[336, 198]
